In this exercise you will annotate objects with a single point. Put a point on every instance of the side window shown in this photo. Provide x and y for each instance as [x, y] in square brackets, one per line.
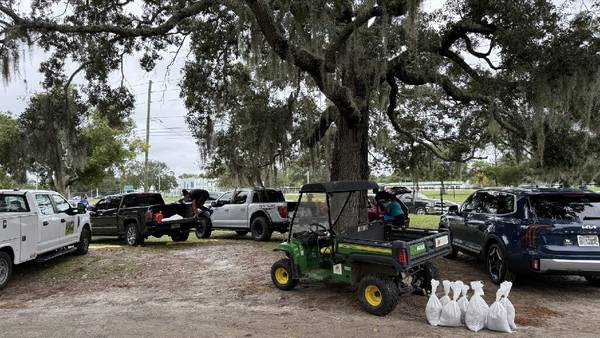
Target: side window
[505, 204]
[487, 203]
[129, 201]
[114, 202]
[44, 204]
[469, 203]
[240, 198]
[226, 197]
[102, 204]
[61, 204]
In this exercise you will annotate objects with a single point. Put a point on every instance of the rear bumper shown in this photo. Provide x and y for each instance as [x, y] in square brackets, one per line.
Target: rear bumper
[570, 266]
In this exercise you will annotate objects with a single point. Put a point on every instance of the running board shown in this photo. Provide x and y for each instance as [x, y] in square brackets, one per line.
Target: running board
[54, 254]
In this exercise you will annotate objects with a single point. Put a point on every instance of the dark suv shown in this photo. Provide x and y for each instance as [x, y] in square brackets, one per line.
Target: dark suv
[523, 231]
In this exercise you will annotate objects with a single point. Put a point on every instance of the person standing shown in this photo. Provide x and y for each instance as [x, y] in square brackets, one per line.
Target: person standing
[84, 200]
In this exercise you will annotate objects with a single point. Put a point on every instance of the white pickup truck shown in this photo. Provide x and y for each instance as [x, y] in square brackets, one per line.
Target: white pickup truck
[256, 210]
[39, 225]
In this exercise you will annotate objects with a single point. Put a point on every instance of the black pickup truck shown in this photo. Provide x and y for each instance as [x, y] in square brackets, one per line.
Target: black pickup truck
[136, 216]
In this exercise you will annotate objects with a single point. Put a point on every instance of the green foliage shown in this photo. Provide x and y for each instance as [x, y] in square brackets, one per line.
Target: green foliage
[160, 177]
[504, 173]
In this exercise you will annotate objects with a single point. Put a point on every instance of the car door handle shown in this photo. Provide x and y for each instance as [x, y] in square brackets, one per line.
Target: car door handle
[44, 223]
[62, 220]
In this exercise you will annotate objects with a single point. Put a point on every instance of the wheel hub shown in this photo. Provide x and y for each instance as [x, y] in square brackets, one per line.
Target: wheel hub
[281, 275]
[495, 263]
[373, 295]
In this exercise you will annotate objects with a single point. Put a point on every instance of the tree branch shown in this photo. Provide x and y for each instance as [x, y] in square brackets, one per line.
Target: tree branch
[320, 128]
[40, 25]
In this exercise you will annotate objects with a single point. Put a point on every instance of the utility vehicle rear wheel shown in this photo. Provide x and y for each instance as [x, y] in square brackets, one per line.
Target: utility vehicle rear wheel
[378, 295]
[180, 236]
[281, 275]
[261, 231]
[204, 229]
[6, 267]
[593, 280]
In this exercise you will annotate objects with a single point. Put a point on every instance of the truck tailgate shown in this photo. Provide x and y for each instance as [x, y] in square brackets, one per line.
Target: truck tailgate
[425, 248]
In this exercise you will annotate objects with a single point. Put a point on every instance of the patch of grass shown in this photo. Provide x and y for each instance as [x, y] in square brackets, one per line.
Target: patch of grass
[424, 221]
[458, 196]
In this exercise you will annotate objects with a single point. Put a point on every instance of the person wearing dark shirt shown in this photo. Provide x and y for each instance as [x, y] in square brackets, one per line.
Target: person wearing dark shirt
[198, 198]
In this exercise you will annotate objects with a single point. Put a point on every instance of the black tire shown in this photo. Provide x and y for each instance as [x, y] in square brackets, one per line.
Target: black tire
[593, 280]
[180, 236]
[377, 295]
[497, 266]
[261, 230]
[203, 229]
[132, 235]
[281, 275]
[241, 232]
[6, 269]
[420, 211]
[84, 241]
[422, 281]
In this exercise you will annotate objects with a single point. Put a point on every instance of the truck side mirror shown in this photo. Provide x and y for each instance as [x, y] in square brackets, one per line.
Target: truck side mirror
[453, 209]
[81, 208]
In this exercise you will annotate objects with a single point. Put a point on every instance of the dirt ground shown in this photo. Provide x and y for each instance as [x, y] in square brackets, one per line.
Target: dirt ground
[222, 287]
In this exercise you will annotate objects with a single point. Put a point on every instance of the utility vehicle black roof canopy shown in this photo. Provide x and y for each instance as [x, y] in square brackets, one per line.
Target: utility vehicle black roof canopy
[339, 186]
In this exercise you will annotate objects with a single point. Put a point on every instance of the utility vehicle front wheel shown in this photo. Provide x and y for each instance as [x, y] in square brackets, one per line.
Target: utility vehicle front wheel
[84, 241]
[377, 295]
[281, 275]
[6, 267]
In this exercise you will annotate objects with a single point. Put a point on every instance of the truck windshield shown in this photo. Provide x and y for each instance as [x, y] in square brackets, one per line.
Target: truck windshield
[568, 207]
[13, 203]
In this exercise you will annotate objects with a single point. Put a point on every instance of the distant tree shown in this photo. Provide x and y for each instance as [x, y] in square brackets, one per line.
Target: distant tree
[160, 177]
[12, 166]
[64, 143]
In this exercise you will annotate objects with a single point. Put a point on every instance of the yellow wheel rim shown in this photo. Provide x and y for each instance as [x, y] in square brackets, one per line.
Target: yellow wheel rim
[373, 295]
[281, 276]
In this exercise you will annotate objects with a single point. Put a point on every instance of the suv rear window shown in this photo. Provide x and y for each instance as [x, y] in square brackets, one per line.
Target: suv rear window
[570, 207]
[268, 196]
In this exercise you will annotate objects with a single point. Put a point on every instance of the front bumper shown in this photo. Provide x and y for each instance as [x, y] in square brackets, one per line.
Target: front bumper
[571, 266]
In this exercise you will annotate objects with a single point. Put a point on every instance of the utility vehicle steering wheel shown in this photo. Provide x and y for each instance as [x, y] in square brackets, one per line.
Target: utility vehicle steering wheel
[318, 229]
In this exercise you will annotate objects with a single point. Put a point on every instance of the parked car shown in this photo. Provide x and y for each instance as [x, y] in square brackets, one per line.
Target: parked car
[529, 231]
[39, 225]
[420, 204]
[136, 216]
[256, 210]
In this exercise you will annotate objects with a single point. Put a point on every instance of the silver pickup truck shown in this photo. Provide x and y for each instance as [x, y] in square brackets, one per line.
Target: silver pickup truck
[256, 210]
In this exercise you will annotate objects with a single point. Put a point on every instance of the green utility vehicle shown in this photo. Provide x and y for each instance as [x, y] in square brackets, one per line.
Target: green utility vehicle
[384, 260]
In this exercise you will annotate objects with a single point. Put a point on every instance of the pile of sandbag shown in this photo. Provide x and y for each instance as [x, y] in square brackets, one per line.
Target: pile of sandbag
[474, 313]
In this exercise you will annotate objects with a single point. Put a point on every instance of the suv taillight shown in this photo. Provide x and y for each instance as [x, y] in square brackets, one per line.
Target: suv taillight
[531, 235]
[283, 212]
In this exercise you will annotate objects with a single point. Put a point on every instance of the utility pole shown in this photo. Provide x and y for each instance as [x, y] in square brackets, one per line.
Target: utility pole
[147, 137]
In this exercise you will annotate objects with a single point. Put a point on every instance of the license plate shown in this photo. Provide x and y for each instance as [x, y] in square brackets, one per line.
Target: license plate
[441, 241]
[175, 226]
[589, 240]
[417, 249]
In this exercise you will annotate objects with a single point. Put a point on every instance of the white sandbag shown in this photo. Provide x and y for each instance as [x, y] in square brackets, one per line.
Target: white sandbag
[463, 302]
[445, 298]
[510, 309]
[497, 318]
[433, 310]
[477, 308]
[175, 217]
[451, 311]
